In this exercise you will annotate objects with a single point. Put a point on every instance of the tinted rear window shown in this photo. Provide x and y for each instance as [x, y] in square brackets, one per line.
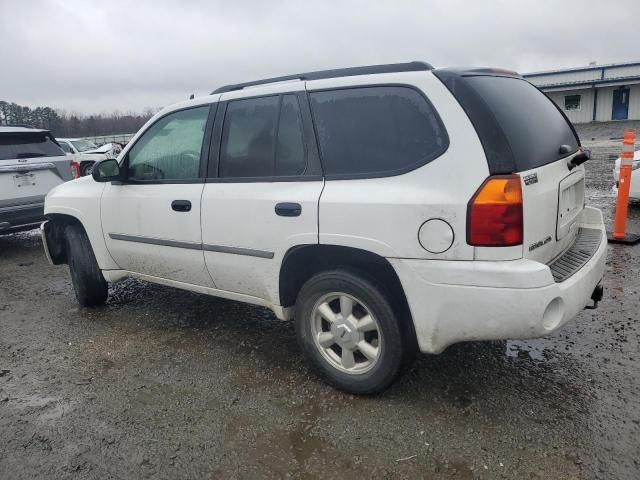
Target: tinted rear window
[27, 145]
[519, 126]
[373, 131]
[531, 122]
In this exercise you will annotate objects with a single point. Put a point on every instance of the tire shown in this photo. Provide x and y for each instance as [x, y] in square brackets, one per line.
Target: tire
[89, 284]
[85, 168]
[390, 347]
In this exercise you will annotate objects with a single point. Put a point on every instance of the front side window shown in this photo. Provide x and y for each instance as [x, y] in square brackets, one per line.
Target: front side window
[171, 148]
[572, 102]
[376, 130]
[262, 137]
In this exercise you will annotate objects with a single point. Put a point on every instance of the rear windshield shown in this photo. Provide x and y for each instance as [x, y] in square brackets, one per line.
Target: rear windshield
[519, 126]
[28, 145]
[534, 127]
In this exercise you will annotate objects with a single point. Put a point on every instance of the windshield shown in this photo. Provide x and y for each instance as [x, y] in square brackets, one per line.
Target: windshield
[84, 145]
[28, 145]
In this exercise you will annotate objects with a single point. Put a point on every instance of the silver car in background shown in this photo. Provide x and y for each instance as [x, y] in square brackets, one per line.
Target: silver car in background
[31, 164]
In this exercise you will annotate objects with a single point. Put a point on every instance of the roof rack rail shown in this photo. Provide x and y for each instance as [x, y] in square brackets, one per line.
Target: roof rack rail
[338, 72]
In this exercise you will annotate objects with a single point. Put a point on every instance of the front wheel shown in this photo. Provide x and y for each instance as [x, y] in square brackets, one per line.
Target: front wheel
[85, 168]
[350, 333]
[89, 284]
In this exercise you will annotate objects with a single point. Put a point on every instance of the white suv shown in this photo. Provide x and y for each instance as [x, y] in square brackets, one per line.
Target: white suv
[386, 208]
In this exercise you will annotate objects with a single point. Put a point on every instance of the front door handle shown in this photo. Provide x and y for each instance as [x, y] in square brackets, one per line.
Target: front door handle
[181, 205]
[288, 209]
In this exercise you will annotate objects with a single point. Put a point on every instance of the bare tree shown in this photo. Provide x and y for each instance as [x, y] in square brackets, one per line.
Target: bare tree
[63, 124]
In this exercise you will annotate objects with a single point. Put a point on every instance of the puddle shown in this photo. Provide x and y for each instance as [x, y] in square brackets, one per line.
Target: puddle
[527, 350]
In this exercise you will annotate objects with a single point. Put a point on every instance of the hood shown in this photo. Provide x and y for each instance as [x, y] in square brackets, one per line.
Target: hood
[92, 155]
[107, 147]
[73, 189]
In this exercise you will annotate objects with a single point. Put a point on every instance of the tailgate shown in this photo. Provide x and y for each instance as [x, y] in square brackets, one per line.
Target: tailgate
[553, 199]
[26, 179]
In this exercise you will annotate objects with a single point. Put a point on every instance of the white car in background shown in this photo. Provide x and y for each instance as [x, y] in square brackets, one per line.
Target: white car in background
[86, 152]
[634, 191]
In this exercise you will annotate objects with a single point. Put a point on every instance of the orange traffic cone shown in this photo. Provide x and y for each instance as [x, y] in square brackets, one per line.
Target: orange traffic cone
[619, 234]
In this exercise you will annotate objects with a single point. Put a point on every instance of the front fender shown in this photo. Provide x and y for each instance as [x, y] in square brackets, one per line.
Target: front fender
[80, 200]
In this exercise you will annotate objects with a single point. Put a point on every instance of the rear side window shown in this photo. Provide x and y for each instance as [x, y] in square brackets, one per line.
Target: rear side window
[519, 126]
[376, 131]
[28, 145]
[263, 137]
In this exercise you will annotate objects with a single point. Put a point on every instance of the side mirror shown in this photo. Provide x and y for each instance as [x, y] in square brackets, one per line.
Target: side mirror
[107, 170]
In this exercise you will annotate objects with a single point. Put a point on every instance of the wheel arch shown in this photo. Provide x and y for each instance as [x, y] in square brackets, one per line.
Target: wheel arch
[302, 262]
[54, 232]
[85, 163]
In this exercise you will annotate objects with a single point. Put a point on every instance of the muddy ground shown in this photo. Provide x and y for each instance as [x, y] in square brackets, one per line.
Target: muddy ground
[161, 383]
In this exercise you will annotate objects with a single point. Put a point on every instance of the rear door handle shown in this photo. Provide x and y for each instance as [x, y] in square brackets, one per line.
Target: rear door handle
[181, 205]
[288, 209]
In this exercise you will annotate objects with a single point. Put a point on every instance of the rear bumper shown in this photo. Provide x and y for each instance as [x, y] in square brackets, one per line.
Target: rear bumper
[479, 300]
[21, 217]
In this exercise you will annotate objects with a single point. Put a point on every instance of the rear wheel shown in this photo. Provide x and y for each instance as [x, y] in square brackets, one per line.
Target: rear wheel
[89, 284]
[350, 333]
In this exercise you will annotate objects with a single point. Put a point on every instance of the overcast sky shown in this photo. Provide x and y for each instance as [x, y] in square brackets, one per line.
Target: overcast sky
[106, 55]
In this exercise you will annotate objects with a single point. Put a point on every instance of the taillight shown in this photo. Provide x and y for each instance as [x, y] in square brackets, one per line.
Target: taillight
[494, 213]
[75, 169]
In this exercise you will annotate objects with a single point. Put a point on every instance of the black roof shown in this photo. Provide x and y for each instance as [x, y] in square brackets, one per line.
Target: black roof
[339, 72]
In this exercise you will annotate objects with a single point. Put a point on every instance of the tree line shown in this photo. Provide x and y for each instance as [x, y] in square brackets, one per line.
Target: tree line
[63, 124]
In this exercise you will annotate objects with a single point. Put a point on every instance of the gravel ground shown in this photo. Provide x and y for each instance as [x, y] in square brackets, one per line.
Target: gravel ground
[161, 383]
